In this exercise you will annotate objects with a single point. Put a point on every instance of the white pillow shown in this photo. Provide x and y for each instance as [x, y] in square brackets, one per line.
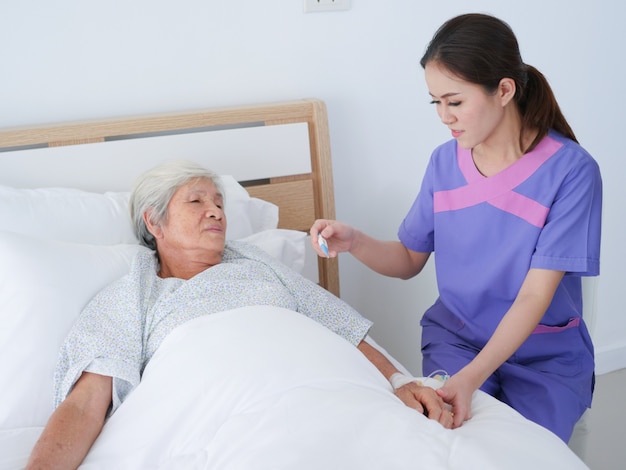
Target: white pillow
[263, 215]
[73, 215]
[44, 285]
[67, 214]
[288, 246]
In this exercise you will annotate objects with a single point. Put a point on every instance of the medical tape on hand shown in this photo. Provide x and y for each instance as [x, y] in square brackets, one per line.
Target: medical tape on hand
[435, 380]
[398, 380]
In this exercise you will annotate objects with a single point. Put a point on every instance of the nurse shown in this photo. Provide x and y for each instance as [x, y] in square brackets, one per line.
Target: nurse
[511, 206]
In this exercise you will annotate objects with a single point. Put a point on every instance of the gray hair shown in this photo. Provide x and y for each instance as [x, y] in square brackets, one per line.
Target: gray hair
[154, 189]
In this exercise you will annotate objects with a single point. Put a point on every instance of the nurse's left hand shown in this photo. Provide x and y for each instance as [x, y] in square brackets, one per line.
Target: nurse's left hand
[458, 394]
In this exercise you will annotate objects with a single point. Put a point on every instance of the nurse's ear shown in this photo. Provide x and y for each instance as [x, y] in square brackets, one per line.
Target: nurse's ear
[506, 90]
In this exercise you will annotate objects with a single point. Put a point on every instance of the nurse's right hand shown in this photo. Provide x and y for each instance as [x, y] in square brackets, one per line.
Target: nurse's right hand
[338, 236]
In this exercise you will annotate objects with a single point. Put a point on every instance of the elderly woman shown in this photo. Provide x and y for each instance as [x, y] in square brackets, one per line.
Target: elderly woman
[188, 270]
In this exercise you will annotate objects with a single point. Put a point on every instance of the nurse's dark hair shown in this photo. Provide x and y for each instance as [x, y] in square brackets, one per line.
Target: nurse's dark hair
[482, 49]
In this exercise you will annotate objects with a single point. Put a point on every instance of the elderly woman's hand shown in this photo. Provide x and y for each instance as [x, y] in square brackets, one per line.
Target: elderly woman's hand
[426, 401]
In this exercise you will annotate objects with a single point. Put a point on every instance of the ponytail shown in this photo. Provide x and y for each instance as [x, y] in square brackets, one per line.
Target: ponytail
[539, 108]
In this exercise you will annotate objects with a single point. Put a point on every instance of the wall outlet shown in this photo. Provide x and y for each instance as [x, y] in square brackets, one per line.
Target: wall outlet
[312, 6]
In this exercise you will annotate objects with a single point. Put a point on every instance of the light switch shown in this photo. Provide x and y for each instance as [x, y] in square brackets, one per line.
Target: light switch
[312, 6]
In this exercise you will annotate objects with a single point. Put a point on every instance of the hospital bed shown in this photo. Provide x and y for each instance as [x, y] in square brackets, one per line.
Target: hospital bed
[253, 388]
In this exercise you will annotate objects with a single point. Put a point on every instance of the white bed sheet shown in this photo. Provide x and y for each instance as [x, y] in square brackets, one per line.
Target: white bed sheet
[267, 388]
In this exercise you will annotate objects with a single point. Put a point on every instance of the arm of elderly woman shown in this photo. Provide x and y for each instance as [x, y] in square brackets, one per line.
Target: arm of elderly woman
[424, 399]
[74, 425]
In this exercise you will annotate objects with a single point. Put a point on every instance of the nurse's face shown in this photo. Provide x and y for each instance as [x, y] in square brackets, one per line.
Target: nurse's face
[472, 115]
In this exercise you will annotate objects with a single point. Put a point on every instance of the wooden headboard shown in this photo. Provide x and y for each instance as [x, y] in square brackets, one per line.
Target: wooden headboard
[301, 198]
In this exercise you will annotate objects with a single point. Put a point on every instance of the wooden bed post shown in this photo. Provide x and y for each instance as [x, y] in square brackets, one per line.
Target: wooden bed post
[319, 139]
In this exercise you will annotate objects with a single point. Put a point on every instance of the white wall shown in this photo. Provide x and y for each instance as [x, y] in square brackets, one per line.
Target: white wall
[74, 59]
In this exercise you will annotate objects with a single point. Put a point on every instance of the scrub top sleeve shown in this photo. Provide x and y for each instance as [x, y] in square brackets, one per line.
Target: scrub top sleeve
[417, 230]
[570, 239]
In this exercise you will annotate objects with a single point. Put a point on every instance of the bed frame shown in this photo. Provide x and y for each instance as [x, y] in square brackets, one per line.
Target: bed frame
[301, 198]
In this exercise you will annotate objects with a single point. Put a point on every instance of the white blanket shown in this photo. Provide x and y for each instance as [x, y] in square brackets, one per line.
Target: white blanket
[267, 388]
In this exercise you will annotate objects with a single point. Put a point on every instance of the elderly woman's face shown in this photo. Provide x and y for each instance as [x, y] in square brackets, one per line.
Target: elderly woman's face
[195, 221]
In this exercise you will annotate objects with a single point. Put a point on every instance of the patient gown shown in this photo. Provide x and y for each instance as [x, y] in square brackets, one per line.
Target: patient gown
[123, 325]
